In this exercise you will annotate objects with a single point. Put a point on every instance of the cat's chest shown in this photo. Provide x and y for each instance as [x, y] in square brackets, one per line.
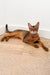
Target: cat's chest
[33, 36]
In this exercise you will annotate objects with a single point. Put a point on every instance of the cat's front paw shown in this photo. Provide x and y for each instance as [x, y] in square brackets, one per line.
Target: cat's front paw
[46, 49]
[36, 46]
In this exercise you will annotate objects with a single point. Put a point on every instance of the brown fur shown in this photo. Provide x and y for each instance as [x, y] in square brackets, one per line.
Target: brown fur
[26, 36]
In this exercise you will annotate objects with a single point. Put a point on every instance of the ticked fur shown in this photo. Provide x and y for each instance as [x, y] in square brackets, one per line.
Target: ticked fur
[30, 37]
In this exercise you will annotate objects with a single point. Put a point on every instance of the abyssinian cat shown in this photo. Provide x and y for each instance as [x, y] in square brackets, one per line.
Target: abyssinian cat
[30, 37]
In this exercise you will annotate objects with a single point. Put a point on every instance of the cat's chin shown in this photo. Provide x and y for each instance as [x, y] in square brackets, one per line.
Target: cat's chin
[33, 33]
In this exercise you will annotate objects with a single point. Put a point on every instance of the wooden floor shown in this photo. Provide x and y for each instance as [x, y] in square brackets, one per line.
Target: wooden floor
[18, 58]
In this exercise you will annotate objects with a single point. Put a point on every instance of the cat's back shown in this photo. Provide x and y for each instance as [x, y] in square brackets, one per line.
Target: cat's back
[21, 31]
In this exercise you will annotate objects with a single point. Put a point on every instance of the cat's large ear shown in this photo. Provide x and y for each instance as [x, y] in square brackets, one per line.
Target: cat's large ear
[29, 25]
[37, 24]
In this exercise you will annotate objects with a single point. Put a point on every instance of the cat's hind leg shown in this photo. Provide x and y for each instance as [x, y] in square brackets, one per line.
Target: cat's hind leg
[8, 36]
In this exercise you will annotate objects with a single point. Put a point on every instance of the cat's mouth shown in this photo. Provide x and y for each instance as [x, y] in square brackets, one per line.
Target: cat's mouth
[33, 32]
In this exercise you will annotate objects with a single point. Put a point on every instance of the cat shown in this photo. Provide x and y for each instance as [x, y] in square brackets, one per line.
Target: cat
[30, 37]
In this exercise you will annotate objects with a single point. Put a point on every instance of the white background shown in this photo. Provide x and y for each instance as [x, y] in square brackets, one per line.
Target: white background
[20, 12]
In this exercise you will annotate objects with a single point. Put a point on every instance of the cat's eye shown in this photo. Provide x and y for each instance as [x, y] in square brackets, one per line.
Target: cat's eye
[31, 29]
[35, 28]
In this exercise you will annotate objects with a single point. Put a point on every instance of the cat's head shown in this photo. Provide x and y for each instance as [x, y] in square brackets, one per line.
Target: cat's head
[33, 29]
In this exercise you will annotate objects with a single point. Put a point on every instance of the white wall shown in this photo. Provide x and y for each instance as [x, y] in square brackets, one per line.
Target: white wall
[21, 12]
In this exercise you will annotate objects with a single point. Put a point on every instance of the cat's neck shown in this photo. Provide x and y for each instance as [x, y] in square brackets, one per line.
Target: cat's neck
[34, 35]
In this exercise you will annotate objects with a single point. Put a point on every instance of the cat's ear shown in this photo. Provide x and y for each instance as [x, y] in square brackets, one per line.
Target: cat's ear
[37, 24]
[29, 25]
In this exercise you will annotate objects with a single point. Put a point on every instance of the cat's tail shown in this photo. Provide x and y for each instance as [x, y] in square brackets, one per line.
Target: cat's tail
[44, 47]
[7, 31]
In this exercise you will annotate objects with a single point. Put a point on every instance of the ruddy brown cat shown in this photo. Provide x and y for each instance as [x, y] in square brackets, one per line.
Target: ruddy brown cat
[30, 37]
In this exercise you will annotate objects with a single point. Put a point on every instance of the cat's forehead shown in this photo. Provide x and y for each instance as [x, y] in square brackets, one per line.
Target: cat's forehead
[33, 26]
